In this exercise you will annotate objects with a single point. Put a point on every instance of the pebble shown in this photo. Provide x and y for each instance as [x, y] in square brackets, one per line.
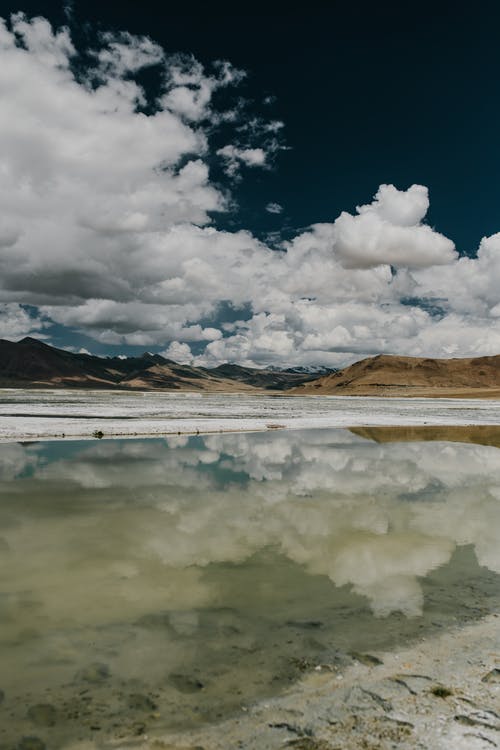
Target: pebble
[94, 673]
[493, 676]
[43, 714]
[367, 659]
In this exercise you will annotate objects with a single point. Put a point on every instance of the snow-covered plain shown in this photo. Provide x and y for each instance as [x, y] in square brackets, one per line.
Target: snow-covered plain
[27, 414]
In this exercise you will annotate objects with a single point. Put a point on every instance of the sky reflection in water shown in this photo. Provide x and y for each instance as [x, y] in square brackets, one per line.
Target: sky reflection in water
[205, 550]
[374, 516]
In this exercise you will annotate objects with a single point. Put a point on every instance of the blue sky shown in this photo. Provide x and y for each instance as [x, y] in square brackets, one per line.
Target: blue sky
[108, 244]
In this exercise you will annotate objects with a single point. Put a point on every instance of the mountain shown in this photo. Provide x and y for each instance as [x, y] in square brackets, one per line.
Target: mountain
[316, 370]
[32, 363]
[271, 379]
[313, 370]
[389, 375]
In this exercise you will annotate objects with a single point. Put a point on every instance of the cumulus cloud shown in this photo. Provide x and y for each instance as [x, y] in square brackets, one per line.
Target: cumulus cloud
[16, 323]
[108, 222]
[98, 195]
[179, 352]
[390, 231]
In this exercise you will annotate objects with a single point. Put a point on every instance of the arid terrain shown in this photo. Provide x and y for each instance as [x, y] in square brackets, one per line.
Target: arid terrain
[30, 363]
[33, 364]
[388, 375]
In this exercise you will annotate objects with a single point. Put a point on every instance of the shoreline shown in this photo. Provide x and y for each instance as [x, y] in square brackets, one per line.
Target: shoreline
[355, 429]
[47, 436]
[305, 390]
[441, 693]
[71, 415]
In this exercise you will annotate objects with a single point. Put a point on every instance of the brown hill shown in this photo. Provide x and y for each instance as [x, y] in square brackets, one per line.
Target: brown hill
[182, 377]
[277, 380]
[33, 364]
[388, 375]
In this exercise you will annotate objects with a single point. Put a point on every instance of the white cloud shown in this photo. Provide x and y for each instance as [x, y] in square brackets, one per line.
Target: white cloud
[403, 208]
[389, 231]
[96, 206]
[234, 157]
[470, 285]
[274, 208]
[191, 89]
[107, 211]
[16, 323]
[179, 352]
[124, 53]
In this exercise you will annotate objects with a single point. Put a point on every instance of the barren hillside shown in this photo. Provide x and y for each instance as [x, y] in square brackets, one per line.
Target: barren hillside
[30, 363]
[388, 375]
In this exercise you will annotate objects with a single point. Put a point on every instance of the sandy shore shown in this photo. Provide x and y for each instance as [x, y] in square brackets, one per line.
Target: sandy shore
[401, 391]
[439, 694]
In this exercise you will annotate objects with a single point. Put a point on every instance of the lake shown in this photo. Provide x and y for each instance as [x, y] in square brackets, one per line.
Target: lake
[170, 582]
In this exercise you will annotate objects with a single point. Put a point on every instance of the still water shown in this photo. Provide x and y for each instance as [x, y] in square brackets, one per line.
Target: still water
[164, 583]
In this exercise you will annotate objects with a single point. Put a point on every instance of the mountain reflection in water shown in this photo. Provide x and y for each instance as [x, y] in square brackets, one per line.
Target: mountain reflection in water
[237, 540]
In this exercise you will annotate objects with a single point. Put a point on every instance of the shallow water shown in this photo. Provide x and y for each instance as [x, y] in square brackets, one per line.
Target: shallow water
[151, 584]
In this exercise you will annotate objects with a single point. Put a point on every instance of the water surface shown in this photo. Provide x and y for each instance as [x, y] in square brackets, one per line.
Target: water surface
[151, 584]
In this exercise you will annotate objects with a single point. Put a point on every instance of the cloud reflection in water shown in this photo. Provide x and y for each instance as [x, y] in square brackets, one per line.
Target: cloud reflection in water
[140, 520]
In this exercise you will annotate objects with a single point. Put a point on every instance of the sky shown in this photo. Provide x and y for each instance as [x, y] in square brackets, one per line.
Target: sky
[250, 186]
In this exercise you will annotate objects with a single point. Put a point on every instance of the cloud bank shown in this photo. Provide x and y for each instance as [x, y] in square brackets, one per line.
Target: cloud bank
[109, 223]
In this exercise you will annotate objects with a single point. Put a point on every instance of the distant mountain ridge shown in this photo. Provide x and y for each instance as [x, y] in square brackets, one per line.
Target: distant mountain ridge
[32, 363]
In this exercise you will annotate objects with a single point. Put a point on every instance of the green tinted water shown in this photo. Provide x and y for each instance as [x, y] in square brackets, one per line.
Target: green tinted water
[151, 584]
